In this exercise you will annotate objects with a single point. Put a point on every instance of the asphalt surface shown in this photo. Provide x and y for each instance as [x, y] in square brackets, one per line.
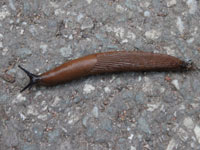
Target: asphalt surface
[126, 111]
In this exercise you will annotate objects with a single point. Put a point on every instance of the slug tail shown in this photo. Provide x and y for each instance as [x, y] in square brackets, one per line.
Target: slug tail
[33, 79]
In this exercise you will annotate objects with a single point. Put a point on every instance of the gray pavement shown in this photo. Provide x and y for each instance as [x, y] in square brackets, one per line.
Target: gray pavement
[127, 111]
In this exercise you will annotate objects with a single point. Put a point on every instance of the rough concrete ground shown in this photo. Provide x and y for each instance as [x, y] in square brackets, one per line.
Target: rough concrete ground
[128, 111]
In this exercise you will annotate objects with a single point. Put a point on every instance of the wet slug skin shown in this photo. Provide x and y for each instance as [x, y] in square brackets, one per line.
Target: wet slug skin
[108, 62]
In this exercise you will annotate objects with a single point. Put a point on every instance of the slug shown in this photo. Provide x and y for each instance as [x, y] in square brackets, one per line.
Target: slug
[107, 62]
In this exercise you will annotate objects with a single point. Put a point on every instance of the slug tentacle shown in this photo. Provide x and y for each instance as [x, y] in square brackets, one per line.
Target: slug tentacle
[33, 79]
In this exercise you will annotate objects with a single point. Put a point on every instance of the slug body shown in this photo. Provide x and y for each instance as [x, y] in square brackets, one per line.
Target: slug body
[108, 62]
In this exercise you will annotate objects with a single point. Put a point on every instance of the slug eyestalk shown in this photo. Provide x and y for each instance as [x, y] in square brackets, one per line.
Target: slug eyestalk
[33, 79]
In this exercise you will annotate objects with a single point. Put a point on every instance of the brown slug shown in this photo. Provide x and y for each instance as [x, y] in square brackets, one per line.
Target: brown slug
[107, 62]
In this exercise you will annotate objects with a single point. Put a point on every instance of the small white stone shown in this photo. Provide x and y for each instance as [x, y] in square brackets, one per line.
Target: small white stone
[56, 101]
[171, 145]
[162, 108]
[66, 51]
[80, 17]
[4, 12]
[87, 24]
[22, 116]
[71, 37]
[131, 35]
[37, 69]
[195, 105]
[44, 47]
[37, 94]
[188, 123]
[145, 4]
[107, 89]
[180, 25]
[22, 31]
[89, 1]
[32, 110]
[85, 120]
[183, 134]
[197, 132]
[124, 41]
[12, 5]
[95, 112]
[1, 36]
[192, 5]
[44, 106]
[182, 107]
[190, 41]
[147, 86]
[5, 50]
[152, 34]
[11, 21]
[119, 31]
[20, 98]
[33, 30]
[43, 117]
[162, 89]
[59, 12]
[120, 9]
[88, 88]
[131, 137]
[54, 4]
[65, 35]
[65, 130]
[1, 45]
[133, 148]
[176, 84]
[152, 107]
[192, 144]
[170, 51]
[171, 3]
[73, 118]
[109, 28]
[24, 23]
[146, 13]
[18, 20]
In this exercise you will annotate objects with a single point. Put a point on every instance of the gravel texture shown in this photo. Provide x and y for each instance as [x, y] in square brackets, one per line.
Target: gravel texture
[127, 111]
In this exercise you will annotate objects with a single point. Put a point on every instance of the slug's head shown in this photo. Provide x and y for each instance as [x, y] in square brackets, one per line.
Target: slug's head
[33, 79]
